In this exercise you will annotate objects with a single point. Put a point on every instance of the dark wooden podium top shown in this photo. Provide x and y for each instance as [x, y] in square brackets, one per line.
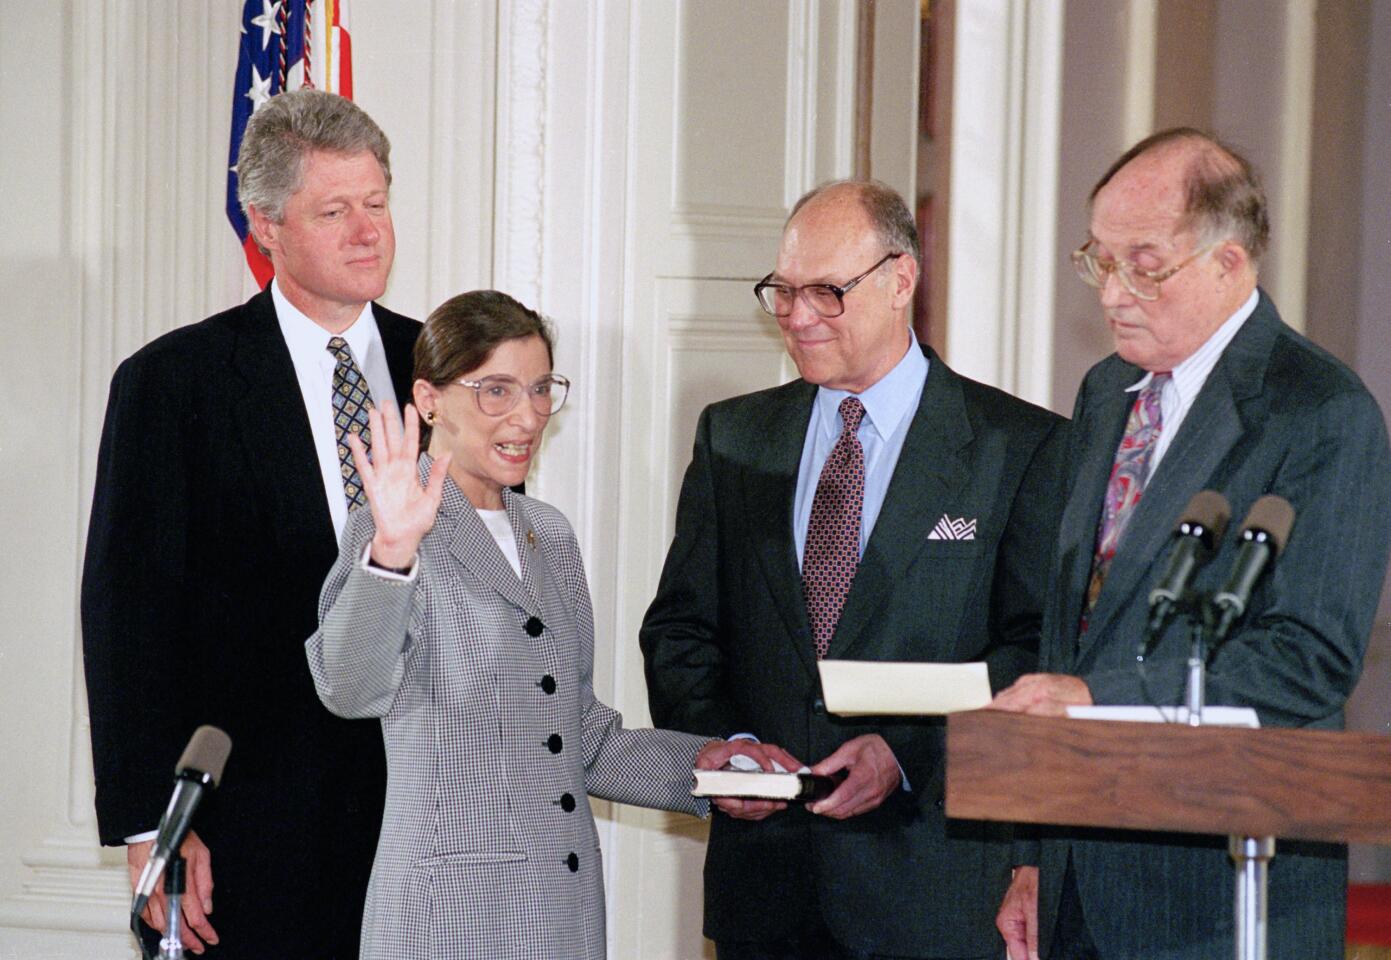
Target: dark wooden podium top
[1297, 784]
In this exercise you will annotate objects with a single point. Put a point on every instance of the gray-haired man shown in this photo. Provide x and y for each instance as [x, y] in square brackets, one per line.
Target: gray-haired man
[1208, 390]
[221, 487]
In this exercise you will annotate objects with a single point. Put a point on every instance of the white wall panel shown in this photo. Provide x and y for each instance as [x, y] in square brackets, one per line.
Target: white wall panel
[126, 209]
[730, 111]
[1004, 173]
[719, 344]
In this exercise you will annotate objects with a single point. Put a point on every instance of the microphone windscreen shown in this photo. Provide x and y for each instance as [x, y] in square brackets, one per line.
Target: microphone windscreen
[1209, 509]
[1275, 516]
[206, 752]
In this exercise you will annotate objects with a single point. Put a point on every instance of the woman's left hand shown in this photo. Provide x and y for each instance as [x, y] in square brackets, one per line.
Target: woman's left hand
[402, 509]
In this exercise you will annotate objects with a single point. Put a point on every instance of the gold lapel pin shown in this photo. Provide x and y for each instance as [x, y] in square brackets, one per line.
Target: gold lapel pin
[531, 539]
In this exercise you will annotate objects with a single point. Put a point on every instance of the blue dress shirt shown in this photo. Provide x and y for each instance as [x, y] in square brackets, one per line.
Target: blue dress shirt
[889, 408]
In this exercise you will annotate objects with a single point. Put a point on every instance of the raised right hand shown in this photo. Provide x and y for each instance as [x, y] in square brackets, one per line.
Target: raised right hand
[402, 510]
[197, 901]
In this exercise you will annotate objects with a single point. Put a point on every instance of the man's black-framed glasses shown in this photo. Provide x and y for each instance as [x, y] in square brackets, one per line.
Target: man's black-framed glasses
[824, 299]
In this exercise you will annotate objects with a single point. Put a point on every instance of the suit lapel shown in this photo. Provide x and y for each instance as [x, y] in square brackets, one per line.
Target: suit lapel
[1220, 415]
[472, 544]
[538, 578]
[770, 487]
[927, 480]
[270, 416]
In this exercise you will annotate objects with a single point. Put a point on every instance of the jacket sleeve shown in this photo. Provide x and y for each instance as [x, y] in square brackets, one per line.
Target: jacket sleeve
[358, 655]
[134, 620]
[1025, 558]
[682, 649]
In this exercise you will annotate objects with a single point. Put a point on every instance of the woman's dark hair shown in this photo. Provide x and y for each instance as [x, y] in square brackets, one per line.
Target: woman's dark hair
[462, 333]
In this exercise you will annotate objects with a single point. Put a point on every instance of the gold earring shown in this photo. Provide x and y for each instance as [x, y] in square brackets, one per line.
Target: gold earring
[430, 417]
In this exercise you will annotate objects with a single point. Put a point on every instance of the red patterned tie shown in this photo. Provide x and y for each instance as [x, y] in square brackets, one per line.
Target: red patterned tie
[1127, 484]
[833, 533]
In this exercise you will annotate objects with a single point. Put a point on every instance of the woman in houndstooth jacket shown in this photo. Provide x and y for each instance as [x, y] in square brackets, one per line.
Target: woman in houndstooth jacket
[458, 612]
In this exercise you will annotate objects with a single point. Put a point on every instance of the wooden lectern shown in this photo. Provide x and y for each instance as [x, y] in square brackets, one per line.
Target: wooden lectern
[1248, 784]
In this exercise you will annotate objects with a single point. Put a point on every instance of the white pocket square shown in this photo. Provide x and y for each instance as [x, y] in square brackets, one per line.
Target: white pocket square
[954, 529]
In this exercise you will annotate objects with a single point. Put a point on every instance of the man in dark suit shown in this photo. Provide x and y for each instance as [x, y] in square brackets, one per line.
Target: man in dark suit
[221, 486]
[1208, 389]
[880, 508]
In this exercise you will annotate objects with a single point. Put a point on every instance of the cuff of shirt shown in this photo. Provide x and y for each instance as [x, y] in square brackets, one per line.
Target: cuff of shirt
[383, 572]
[141, 837]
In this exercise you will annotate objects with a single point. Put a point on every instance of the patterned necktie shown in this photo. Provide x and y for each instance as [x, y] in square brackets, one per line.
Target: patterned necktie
[1128, 474]
[352, 398]
[833, 533]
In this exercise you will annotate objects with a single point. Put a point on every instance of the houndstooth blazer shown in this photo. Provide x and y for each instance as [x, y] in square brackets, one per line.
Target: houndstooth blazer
[494, 738]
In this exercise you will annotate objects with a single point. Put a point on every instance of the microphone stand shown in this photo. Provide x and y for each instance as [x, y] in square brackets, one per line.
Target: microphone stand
[1195, 694]
[172, 947]
[1251, 856]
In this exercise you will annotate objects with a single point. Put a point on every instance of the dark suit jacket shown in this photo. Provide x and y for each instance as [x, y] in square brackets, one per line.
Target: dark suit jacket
[728, 648]
[1277, 415]
[209, 541]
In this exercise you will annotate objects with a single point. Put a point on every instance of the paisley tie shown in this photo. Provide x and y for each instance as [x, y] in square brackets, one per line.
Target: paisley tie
[1129, 472]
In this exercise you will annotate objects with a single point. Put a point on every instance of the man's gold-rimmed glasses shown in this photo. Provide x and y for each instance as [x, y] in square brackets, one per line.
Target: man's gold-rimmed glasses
[1143, 284]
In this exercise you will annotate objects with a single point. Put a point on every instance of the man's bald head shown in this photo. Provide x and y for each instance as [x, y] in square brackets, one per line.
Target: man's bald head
[1181, 209]
[888, 215]
[1222, 194]
[856, 243]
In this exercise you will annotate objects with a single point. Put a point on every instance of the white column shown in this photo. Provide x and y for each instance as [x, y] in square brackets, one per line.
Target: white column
[1004, 168]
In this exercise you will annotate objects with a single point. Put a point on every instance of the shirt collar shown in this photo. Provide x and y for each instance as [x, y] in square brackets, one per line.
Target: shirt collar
[1190, 375]
[305, 338]
[888, 401]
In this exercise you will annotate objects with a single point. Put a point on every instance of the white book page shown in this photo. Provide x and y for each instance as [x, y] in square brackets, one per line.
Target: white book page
[863, 688]
[1212, 716]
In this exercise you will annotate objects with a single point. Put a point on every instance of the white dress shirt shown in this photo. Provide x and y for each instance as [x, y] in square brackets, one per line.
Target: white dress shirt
[1177, 396]
[501, 528]
[308, 343]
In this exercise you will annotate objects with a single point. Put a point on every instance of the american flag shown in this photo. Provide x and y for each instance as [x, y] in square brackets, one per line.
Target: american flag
[285, 45]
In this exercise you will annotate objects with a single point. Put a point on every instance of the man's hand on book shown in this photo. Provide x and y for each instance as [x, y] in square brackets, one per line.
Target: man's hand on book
[872, 774]
[716, 754]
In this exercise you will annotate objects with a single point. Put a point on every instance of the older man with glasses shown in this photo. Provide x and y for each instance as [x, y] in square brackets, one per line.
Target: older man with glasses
[1207, 389]
[879, 508]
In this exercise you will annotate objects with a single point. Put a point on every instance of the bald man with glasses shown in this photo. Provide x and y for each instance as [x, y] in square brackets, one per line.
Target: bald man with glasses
[1207, 389]
[880, 507]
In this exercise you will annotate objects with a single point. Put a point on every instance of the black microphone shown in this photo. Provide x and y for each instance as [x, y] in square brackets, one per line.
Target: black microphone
[199, 769]
[1197, 534]
[1263, 537]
